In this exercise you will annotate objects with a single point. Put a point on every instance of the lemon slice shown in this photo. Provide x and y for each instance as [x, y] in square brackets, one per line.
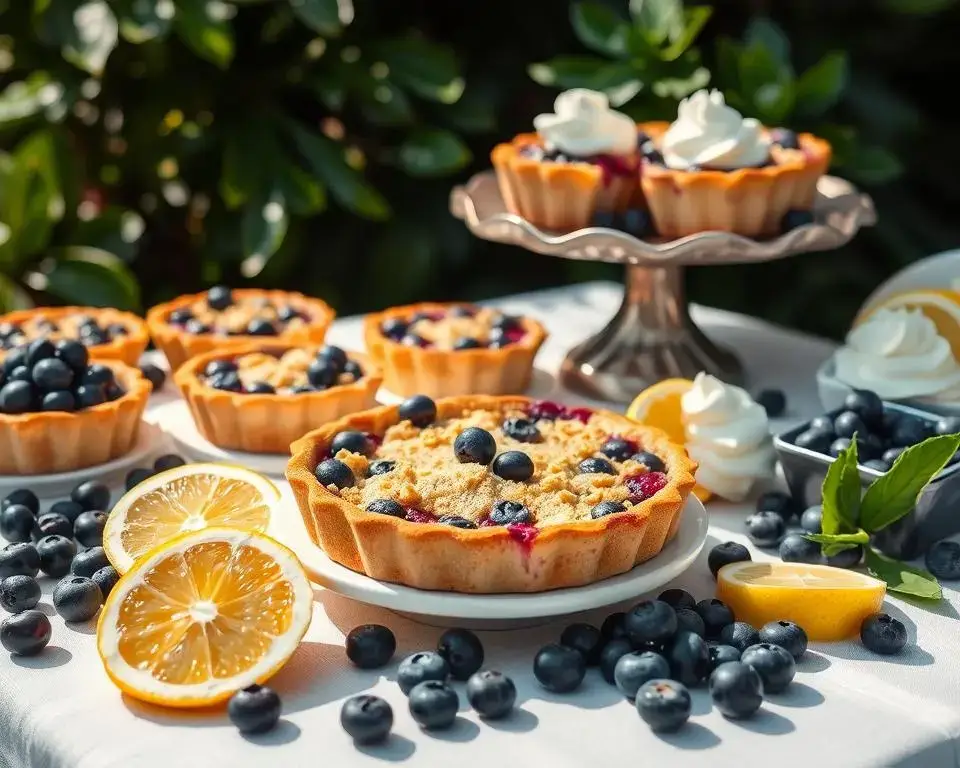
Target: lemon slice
[941, 306]
[829, 603]
[203, 616]
[187, 498]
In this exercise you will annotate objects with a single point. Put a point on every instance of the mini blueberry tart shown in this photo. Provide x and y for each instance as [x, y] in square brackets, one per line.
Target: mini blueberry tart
[108, 334]
[61, 411]
[452, 349]
[489, 494]
[223, 319]
[583, 159]
[714, 170]
[261, 397]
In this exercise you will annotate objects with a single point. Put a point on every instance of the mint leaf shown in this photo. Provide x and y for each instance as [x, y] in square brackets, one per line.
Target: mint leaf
[841, 493]
[894, 494]
[902, 578]
[835, 543]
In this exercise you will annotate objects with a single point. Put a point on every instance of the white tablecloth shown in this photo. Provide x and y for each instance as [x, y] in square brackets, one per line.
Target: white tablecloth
[846, 707]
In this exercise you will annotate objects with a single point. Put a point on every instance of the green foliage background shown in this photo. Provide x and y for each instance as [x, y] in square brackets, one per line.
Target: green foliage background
[153, 147]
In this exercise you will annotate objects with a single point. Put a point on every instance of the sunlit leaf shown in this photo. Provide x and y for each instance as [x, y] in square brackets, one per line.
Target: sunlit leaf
[143, 20]
[433, 152]
[427, 69]
[328, 17]
[204, 29]
[91, 277]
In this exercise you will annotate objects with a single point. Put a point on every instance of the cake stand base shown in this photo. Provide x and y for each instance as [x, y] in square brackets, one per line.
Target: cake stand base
[651, 338]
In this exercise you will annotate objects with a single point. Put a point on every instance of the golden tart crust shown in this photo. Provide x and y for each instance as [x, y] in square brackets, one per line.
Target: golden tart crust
[269, 423]
[53, 442]
[179, 346]
[487, 559]
[437, 372]
[126, 348]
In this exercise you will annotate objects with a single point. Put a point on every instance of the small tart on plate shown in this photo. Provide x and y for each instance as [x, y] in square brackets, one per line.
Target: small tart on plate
[442, 350]
[108, 334]
[60, 412]
[489, 494]
[261, 397]
[223, 319]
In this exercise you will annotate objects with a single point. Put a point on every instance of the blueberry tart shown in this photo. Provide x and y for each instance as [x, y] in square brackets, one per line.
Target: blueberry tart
[107, 334]
[712, 169]
[262, 397]
[442, 350]
[222, 319]
[486, 494]
[583, 159]
[60, 411]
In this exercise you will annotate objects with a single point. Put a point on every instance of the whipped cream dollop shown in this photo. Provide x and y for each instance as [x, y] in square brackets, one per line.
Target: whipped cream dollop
[709, 134]
[583, 124]
[728, 434]
[898, 354]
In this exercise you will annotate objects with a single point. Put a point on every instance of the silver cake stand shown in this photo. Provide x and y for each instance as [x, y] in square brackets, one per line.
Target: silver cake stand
[652, 337]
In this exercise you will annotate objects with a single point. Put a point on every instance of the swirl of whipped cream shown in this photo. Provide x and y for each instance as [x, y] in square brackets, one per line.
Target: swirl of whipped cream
[898, 354]
[728, 434]
[709, 134]
[583, 124]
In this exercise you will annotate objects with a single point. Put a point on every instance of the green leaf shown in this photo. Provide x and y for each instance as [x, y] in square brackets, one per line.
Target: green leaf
[427, 69]
[658, 19]
[24, 99]
[680, 87]
[86, 32]
[902, 578]
[767, 33]
[304, 194]
[766, 83]
[205, 31]
[263, 226]
[328, 17]
[384, 103]
[144, 20]
[694, 20]
[584, 72]
[728, 63]
[12, 296]
[871, 165]
[599, 28]
[840, 496]
[918, 7]
[114, 229]
[835, 543]
[433, 152]
[240, 176]
[325, 160]
[821, 86]
[894, 494]
[91, 277]
[476, 111]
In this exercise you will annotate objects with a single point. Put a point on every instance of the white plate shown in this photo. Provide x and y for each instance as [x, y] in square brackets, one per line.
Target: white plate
[942, 270]
[150, 443]
[675, 558]
[178, 423]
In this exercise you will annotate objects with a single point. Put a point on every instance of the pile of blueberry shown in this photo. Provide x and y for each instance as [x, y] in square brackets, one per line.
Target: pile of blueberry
[89, 332]
[882, 434]
[220, 298]
[162, 464]
[504, 329]
[54, 376]
[324, 371]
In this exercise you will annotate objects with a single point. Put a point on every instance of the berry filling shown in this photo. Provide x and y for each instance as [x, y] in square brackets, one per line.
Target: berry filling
[551, 411]
[88, 330]
[221, 313]
[524, 534]
[612, 166]
[287, 372]
[419, 516]
[461, 327]
[642, 487]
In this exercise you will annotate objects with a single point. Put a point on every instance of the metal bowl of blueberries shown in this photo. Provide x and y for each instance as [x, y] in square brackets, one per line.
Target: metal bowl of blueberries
[883, 430]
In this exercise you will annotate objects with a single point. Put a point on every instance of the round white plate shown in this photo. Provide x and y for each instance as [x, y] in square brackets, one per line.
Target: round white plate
[178, 423]
[942, 270]
[675, 558]
[150, 443]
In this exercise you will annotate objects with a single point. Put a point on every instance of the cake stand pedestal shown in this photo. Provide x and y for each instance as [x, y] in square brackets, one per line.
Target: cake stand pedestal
[652, 337]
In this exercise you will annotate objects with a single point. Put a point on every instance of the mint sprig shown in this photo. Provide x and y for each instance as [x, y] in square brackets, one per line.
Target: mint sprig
[849, 519]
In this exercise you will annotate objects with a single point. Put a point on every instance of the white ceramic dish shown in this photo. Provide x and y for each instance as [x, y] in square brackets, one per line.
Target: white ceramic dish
[942, 270]
[501, 609]
[150, 443]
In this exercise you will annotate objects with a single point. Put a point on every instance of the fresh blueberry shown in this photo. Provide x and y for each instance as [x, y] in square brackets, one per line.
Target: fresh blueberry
[634, 669]
[491, 694]
[414, 340]
[847, 558]
[420, 667]
[774, 402]
[167, 462]
[77, 598]
[434, 705]
[219, 297]
[17, 523]
[52, 524]
[736, 689]
[811, 520]
[62, 400]
[740, 635]
[466, 342]
[650, 622]
[180, 316]
[513, 465]
[98, 375]
[352, 441]
[796, 218]
[51, 375]
[558, 668]
[321, 374]
[688, 620]
[475, 446]
[457, 522]
[774, 664]
[725, 554]
[370, 646]
[91, 495]
[23, 497]
[614, 627]
[867, 445]
[892, 454]
[618, 449]
[650, 460]
[847, 424]
[74, 354]
[89, 396]
[766, 529]
[25, 634]
[816, 440]
[689, 658]
[867, 405]
[419, 410]
[716, 615]
[366, 719]
[68, 509]
[883, 634]
[948, 425]
[17, 397]
[353, 368]
[260, 326]
[19, 559]
[611, 654]
[796, 548]
[664, 705]
[510, 513]
[636, 221]
[136, 476]
[380, 467]
[260, 388]
[596, 466]
[822, 423]
[777, 501]
[586, 639]
[88, 528]
[19, 594]
[393, 328]
[16, 359]
[226, 382]
[387, 507]
[677, 598]
[463, 652]
[155, 375]
[785, 138]
[521, 430]
[605, 508]
[39, 349]
[878, 465]
[88, 562]
[334, 472]
[106, 578]
[721, 654]
[787, 635]
[943, 560]
[909, 431]
[335, 355]
[255, 709]
[21, 374]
